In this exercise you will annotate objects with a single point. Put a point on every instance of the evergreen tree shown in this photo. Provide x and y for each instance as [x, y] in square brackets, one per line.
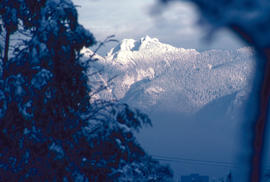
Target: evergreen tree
[49, 131]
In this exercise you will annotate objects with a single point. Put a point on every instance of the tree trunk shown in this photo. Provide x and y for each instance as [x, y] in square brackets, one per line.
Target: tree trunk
[5, 59]
[260, 124]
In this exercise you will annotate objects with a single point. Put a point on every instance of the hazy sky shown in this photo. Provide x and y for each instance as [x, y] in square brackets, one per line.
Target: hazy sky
[176, 25]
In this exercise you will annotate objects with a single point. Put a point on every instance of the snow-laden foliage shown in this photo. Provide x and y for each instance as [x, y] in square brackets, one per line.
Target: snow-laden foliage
[49, 129]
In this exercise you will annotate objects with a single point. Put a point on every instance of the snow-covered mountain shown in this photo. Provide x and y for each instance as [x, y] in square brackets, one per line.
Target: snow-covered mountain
[152, 75]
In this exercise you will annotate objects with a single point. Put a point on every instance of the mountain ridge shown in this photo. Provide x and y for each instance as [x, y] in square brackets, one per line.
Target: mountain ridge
[150, 73]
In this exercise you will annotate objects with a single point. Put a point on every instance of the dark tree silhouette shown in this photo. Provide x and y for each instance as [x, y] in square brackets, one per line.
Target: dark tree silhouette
[49, 131]
[249, 20]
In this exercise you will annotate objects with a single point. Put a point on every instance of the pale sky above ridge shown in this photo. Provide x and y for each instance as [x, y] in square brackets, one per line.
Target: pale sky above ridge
[134, 19]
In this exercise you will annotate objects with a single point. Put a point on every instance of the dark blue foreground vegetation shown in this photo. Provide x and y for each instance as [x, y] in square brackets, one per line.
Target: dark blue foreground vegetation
[49, 131]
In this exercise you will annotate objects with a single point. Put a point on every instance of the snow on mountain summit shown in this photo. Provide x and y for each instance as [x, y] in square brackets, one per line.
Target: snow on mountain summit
[129, 49]
[152, 74]
[135, 45]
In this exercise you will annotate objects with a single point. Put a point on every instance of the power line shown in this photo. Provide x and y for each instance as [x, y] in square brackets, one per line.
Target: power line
[196, 163]
[194, 160]
[200, 162]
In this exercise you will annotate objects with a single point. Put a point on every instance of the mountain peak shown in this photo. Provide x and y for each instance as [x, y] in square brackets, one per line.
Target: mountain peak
[127, 44]
[124, 45]
[133, 45]
[148, 39]
[129, 47]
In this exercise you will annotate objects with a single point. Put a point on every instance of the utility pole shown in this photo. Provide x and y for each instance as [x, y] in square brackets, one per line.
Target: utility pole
[229, 177]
